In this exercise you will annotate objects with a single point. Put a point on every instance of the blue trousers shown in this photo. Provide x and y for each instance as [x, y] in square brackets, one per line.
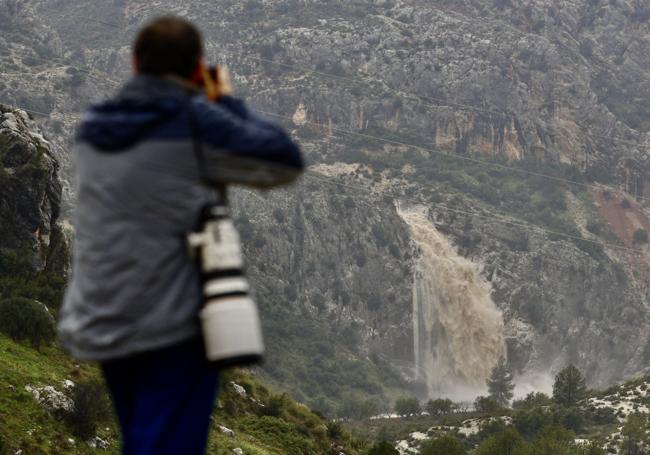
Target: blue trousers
[164, 399]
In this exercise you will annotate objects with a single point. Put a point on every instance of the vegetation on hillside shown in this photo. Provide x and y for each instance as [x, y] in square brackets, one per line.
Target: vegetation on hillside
[52, 404]
[262, 422]
[324, 373]
[574, 421]
[530, 190]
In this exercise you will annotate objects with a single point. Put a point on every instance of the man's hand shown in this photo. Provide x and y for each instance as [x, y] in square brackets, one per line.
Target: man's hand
[215, 81]
[224, 86]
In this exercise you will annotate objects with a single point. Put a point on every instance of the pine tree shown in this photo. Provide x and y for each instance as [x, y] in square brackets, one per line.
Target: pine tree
[569, 387]
[500, 385]
[635, 434]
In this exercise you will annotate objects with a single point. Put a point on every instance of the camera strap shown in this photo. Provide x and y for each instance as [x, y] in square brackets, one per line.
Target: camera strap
[197, 147]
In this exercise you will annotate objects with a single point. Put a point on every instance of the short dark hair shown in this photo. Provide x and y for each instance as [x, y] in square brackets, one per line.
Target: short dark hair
[168, 45]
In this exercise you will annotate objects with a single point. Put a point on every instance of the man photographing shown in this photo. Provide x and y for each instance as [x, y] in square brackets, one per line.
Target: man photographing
[134, 297]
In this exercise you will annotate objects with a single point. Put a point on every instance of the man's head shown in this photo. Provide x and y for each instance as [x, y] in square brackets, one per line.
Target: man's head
[168, 46]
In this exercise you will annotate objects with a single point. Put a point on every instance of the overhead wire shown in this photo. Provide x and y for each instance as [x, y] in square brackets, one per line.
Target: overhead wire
[452, 156]
[401, 93]
[447, 103]
[458, 157]
[92, 72]
[525, 225]
[503, 219]
[319, 177]
[492, 216]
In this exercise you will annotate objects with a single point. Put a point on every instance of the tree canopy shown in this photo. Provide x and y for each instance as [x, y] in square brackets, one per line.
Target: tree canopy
[569, 387]
[439, 406]
[445, 445]
[500, 385]
[383, 448]
[407, 406]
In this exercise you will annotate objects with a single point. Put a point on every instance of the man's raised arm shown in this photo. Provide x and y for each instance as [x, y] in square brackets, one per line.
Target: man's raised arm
[242, 148]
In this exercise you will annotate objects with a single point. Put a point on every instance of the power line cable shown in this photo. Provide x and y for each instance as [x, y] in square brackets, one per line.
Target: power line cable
[434, 151]
[458, 157]
[452, 156]
[492, 216]
[447, 103]
[92, 72]
[316, 176]
[401, 93]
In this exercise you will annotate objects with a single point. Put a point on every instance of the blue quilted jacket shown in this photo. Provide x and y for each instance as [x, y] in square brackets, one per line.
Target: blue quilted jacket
[140, 191]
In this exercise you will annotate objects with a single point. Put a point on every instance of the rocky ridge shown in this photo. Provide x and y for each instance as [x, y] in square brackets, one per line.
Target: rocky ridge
[31, 193]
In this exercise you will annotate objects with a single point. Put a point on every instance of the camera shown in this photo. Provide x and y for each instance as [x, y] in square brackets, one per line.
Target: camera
[229, 319]
[208, 80]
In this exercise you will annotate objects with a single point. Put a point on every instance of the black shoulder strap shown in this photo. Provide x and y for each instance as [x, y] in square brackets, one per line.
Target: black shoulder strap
[197, 147]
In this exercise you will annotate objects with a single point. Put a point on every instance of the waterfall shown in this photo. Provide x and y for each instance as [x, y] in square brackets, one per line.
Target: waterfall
[457, 328]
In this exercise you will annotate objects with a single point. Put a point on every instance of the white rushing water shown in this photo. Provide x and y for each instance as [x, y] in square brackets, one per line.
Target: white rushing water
[457, 328]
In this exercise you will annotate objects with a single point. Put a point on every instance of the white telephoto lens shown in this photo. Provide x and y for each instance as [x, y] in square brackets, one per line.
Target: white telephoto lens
[232, 330]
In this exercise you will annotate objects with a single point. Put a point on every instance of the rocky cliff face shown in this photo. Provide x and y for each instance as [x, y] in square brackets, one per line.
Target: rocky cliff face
[555, 88]
[31, 193]
[312, 248]
[561, 301]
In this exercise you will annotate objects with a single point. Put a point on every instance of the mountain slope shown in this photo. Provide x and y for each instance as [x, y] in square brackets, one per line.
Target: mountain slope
[520, 126]
[52, 404]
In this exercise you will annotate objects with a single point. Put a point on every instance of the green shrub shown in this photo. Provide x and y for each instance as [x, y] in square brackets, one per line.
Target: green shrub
[19, 279]
[91, 407]
[383, 448]
[486, 405]
[407, 406]
[593, 249]
[595, 227]
[278, 433]
[276, 406]
[529, 422]
[587, 48]
[439, 406]
[358, 408]
[446, 445]
[603, 416]
[640, 236]
[506, 442]
[278, 214]
[334, 430]
[570, 418]
[26, 320]
[533, 399]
